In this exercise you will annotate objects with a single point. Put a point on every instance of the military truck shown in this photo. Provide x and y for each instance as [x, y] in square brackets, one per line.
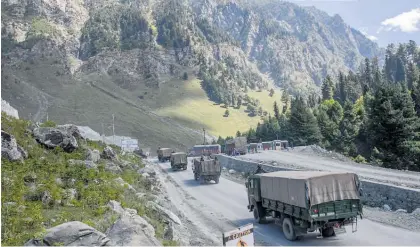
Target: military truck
[206, 169]
[179, 161]
[164, 154]
[306, 201]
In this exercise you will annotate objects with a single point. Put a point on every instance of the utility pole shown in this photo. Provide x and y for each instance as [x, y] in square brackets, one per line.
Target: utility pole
[47, 116]
[103, 133]
[204, 136]
[113, 129]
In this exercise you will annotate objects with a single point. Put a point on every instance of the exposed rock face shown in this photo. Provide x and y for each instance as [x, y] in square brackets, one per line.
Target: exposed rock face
[72, 233]
[109, 153]
[8, 109]
[131, 229]
[52, 137]
[10, 149]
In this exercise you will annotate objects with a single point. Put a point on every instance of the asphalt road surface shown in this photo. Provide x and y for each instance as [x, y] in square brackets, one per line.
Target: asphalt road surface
[230, 200]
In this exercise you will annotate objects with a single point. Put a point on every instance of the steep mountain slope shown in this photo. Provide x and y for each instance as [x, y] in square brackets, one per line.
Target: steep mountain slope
[81, 61]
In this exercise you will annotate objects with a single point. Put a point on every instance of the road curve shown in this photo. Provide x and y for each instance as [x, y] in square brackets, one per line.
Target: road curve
[230, 200]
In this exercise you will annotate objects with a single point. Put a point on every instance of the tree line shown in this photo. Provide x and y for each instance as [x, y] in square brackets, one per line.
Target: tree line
[372, 114]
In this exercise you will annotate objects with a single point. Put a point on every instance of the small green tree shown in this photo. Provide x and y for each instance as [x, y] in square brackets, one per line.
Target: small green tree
[238, 134]
[227, 113]
[272, 92]
[185, 76]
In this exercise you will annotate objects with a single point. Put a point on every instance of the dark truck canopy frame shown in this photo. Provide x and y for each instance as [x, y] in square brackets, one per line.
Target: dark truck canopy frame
[296, 187]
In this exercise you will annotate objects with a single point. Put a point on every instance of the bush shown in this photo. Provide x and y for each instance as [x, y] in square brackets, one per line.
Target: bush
[49, 123]
[360, 159]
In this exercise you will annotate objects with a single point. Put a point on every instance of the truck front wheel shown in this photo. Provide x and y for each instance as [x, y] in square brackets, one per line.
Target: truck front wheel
[288, 230]
[259, 215]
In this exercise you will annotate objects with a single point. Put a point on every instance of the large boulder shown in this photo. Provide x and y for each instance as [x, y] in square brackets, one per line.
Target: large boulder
[164, 213]
[93, 155]
[71, 130]
[72, 233]
[109, 153]
[10, 149]
[130, 229]
[52, 137]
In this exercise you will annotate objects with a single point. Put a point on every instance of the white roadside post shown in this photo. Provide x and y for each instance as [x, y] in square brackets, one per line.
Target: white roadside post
[242, 236]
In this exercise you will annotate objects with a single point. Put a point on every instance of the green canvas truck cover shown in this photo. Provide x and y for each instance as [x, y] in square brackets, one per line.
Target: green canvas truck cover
[179, 158]
[165, 151]
[293, 187]
[207, 167]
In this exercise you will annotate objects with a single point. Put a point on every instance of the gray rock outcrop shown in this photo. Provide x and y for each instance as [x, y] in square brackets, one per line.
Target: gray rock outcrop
[164, 213]
[109, 153]
[71, 130]
[72, 233]
[130, 229]
[10, 149]
[89, 164]
[93, 155]
[52, 137]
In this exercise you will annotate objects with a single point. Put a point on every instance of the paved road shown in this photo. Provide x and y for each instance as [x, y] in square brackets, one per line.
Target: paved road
[229, 199]
[296, 159]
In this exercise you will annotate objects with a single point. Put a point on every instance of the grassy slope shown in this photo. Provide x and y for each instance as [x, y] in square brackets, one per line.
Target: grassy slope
[188, 103]
[24, 216]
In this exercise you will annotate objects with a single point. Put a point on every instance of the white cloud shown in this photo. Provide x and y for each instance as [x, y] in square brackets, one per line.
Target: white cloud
[371, 37]
[407, 22]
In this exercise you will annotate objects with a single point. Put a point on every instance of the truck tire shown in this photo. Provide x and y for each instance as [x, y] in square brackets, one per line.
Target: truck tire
[259, 215]
[216, 180]
[202, 180]
[185, 167]
[327, 232]
[195, 176]
[288, 230]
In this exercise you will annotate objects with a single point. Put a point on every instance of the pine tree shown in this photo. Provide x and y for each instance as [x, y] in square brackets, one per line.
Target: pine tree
[400, 71]
[284, 127]
[238, 134]
[303, 125]
[393, 126]
[327, 88]
[329, 115]
[349, 129]
[412, 75]
[276, 111]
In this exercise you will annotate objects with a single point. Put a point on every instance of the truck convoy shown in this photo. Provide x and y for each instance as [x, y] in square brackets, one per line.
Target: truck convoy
[164, 154]
[306, 201]
[206, 169]
[179, 161]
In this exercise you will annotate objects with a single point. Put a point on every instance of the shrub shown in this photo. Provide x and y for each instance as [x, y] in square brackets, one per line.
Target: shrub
[49, 123]
[360, 159]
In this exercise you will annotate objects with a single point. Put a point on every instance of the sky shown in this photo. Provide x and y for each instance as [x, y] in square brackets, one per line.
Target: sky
[383, 21]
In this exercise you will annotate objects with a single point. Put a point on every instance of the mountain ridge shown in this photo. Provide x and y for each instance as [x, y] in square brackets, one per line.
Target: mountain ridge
[56, 51]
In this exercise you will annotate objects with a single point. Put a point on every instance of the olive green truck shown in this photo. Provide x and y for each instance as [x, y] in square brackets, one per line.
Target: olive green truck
[179, 161]
[164, 154]
[306, 201]
[206, 169]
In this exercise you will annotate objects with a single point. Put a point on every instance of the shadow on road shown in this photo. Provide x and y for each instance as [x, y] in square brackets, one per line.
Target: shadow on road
[268, 229]
[194, 183]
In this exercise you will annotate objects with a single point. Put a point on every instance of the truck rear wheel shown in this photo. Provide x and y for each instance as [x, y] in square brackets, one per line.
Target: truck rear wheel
[288, 230]
[327, 232]
[195, 176]
[216, 180]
